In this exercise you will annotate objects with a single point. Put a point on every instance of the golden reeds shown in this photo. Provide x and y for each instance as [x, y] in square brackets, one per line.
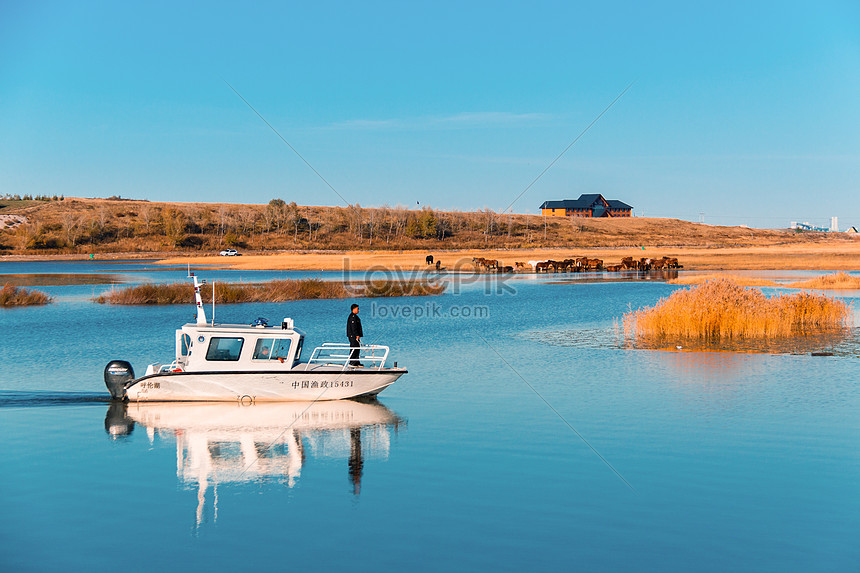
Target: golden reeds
[402, 288]
[722, 309]
[16, 296]
[834, 281]
[742, 281]
[271, 291]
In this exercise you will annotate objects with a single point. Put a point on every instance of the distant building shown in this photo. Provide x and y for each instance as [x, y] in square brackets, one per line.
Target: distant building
[852, 231]
[807, 227]
[592, 205]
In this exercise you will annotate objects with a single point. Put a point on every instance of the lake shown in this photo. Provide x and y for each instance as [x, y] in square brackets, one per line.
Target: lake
[524, 437]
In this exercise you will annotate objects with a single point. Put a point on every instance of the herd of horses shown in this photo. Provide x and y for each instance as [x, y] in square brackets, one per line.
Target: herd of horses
[585, 264]
[573, 265]
[490, 266]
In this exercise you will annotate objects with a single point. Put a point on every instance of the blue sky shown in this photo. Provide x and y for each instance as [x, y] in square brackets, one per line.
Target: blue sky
[746, 112]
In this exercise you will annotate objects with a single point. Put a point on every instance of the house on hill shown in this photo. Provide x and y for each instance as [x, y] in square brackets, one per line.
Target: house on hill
[591, 205]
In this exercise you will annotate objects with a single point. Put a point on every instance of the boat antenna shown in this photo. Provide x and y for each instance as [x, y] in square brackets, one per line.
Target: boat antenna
[201, 314]
[213, 303]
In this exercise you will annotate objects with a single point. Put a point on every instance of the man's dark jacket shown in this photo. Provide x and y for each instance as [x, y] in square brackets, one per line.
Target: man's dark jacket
[353, 326]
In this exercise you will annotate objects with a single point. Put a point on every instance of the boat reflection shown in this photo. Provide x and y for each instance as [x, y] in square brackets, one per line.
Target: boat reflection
[229, 443]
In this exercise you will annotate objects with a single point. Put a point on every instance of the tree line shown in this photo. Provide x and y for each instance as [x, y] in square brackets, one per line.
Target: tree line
[133, 225]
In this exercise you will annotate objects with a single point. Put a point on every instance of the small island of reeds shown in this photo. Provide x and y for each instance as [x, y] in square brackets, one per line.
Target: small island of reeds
[271, 291]
[17, 296]
[721, 309]
[836, 281]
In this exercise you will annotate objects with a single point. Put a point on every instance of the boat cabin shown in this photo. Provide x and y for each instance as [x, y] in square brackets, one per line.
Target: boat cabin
[258, 347]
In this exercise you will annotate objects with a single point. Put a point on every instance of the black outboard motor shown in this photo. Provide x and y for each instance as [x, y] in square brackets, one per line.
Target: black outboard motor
[118, 373]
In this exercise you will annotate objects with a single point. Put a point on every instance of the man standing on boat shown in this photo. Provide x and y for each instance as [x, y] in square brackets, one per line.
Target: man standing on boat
[354, 333]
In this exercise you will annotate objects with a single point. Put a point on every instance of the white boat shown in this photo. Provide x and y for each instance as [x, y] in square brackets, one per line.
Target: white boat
[253, 363]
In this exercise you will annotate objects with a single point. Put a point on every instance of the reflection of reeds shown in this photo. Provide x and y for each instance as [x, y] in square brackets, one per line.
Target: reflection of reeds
[17, 296]
[721, 309]
[834, 281]
[272, 291]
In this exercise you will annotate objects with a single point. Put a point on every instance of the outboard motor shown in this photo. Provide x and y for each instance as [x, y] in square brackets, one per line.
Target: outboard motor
[118, 373]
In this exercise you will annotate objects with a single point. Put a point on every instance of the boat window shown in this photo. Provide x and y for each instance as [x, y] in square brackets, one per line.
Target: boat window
[185, 345]
[299, 348]
[272, 348]
[226, 349]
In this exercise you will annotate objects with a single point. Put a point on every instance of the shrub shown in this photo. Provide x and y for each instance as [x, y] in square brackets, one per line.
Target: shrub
[386, 288]
[17, 296]
[834, 281]
[721, 309]
[272, 291]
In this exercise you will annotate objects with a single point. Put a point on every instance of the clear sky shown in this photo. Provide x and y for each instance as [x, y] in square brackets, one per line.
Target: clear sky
[748, 112]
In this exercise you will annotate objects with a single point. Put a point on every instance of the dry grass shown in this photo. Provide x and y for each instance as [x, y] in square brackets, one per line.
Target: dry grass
[722, 309]
[742, 281]
[16, 296]
[375, 289]
[837, 281]
[841, 281]
[272, 291]
[82, 226]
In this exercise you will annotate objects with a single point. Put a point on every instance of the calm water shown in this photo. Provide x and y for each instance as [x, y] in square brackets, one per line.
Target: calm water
[742, 462]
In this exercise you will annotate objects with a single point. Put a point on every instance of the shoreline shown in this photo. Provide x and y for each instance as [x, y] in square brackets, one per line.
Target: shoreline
[803, 256]
[814, 257]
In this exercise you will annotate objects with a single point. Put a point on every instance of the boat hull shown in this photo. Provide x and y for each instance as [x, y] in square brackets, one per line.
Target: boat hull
[251, 387]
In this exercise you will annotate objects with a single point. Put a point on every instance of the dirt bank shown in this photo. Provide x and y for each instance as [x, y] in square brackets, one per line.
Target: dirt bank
[798, 256]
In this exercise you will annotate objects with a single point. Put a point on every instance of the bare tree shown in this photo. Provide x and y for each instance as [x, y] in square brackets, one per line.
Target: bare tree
[277, 210]
[294, 216]
[71, 228]
[146, 215]
[174, 222]
[222, 223]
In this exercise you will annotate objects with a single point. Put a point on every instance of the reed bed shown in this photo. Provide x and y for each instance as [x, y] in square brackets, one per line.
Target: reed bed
[271, 291]
[837, 281]
[375, 289]
[739, 280]
[841, 281]
[11, 295]
[721, 309]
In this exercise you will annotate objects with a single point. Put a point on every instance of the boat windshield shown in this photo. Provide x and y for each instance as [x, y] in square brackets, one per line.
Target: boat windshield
[224, 349]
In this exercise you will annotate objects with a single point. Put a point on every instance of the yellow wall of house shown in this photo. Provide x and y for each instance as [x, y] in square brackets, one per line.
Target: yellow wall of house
[553, 212]
[562, 213]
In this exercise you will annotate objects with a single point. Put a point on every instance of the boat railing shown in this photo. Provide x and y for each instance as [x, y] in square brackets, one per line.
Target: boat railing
[338, 354]
[175, 366]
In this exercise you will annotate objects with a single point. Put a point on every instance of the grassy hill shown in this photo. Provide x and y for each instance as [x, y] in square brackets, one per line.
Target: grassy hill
[79, 225]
